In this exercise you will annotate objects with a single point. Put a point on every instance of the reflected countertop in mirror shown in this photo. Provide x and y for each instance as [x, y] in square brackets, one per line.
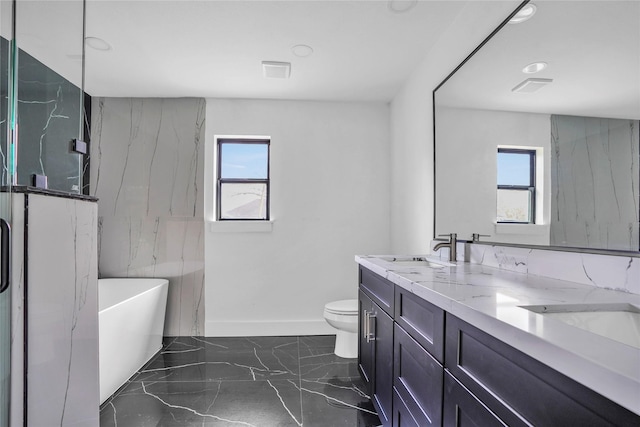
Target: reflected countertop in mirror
[579, 115]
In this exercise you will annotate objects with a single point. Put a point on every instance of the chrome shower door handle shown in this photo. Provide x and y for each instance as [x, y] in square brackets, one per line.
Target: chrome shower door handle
[5, 256]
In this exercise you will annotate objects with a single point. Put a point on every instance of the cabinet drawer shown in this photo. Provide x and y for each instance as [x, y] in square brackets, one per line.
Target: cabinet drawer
[462, 409]
[422, 320]
[378, 288]
[402, 416]
[417, 379]
[517, 387]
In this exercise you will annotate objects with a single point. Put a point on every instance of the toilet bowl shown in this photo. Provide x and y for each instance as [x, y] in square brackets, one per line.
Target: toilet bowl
[343, 315]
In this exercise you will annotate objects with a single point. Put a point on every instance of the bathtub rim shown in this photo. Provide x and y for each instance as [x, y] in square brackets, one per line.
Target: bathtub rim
[161, 282]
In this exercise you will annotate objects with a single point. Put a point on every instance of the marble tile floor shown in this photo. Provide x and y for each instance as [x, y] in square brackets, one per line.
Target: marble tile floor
[245, 381]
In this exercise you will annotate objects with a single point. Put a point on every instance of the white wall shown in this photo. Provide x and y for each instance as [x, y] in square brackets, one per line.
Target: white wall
[412, 125]
[330, 196]
[467, 158]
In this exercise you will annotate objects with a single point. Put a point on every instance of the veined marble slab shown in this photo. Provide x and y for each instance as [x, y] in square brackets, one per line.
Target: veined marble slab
[621, 273]
[491, 300]
[146, 170]
[595, 187]
[56, 286]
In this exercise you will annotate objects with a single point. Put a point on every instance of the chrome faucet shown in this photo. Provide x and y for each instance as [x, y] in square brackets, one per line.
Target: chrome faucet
[475, 237]
[451, 244]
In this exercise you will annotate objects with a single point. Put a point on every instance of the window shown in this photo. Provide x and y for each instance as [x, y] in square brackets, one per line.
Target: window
[243, 179]
[516, 186]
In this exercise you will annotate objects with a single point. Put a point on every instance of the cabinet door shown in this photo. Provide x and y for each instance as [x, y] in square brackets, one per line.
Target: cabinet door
[417, 379]
[375, 355]
[382, 329]
[365, 346]
[462, 409]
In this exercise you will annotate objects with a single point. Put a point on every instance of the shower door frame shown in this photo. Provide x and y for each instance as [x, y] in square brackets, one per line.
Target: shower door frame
[8, 63]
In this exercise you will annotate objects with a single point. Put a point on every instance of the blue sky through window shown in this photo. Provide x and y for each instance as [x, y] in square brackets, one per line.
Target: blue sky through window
[514, 169]
[247, 161]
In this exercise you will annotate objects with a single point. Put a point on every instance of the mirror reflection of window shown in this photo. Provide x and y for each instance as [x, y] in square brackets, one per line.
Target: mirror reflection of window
[516, 186]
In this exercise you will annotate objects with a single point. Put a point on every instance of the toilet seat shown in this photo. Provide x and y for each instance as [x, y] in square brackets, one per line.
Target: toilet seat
[346, 307]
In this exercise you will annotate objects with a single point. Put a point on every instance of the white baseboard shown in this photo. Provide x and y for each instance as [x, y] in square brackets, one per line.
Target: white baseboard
[257, 328]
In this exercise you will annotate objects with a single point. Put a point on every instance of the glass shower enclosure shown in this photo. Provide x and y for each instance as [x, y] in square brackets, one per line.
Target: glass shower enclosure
[42, 115]
[7, 133]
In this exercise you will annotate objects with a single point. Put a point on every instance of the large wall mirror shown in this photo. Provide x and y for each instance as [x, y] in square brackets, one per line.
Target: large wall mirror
[537, 133]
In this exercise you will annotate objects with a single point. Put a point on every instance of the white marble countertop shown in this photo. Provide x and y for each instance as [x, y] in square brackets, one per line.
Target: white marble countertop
[490, 299]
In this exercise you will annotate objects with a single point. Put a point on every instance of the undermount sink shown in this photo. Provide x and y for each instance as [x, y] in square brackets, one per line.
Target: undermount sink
[415, 262]
[616, 321]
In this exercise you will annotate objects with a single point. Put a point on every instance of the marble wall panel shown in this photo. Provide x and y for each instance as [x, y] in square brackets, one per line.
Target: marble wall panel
[167, 247]
[49, 119]
[63, 312]
[17, 308]
[595, 183]
[61, 293]
[147, 171]
[604, 271]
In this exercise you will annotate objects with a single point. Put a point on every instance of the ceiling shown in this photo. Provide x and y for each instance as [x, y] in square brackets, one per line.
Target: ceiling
[362, 50]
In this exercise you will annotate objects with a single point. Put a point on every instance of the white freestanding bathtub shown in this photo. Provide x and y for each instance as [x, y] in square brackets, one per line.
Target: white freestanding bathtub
[131, 322]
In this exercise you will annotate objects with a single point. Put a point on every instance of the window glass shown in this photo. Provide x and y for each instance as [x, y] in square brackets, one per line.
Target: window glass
[244, 161]
[514, 168]
[514, 206]
[243, 201]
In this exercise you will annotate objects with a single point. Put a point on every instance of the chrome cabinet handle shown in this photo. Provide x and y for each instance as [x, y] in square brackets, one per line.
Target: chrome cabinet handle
[370, 335]
[365, 324]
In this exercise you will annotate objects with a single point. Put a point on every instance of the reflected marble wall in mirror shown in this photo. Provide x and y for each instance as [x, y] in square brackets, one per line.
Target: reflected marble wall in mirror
[581, 121]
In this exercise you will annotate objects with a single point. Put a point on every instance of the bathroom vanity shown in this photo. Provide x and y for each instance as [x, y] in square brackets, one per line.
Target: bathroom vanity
[467, 344]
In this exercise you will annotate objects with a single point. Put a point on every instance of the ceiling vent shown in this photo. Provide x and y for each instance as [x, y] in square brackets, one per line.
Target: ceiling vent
[531, 85]
[276, 70]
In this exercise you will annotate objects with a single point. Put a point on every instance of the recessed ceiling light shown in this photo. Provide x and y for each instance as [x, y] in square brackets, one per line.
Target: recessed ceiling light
[276, 70]
[531, 85]
[401, 6]
[302, 50]
[534, 67]
[524, 14]
[97, 43]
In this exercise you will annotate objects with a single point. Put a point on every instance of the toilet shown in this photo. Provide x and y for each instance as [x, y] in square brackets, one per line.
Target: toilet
[343, 315]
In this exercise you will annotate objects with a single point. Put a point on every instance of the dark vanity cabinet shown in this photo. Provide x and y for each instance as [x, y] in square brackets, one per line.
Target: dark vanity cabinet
[402, 367]
[425, 367]
[375, 345]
